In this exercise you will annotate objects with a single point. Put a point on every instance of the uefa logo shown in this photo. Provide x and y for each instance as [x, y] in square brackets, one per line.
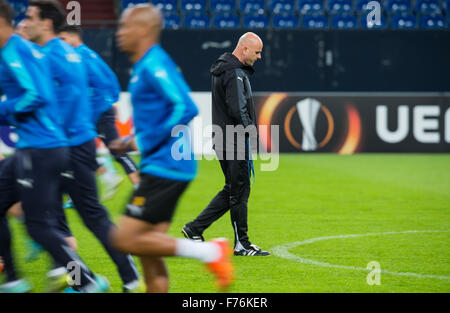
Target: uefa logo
[308, 111]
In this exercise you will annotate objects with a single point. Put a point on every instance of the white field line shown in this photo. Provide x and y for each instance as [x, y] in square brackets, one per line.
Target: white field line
[282, 251]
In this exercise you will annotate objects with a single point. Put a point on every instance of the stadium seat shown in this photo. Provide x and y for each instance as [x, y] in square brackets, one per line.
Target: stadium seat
[166, 5]
[368, 24]
[339, 6]
[247, 6]
[310, 6]
[361, 5]
[223, 5]
[315, 21]
[428, 6]
[171, 21]
[446, 6]
[196, 20]
[255, 21]
[403, 21]
[432, 21]
[193, 5]
[398, 6]
[344, 21]
[130, 3]
[281, 6]
[285, 20]
[19, 6]
[226, 20]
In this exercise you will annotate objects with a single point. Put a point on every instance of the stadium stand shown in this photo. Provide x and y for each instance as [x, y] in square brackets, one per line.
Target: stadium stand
[226, 20]
[290, 14]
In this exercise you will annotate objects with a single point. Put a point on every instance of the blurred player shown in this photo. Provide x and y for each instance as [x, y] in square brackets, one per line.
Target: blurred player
[9, 195]
[105, 90]
[67, 71]
[160, 101]
[41, 151]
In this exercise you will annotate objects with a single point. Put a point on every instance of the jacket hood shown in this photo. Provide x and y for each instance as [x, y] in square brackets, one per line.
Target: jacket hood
[228, 61]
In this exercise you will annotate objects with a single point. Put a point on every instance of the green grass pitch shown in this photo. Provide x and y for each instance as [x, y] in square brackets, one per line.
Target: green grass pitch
[309, 196]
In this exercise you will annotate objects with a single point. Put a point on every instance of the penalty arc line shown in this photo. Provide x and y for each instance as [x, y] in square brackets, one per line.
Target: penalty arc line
[282, 251]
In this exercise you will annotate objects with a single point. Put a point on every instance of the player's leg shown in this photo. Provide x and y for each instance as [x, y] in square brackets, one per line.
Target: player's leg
[218, 206]
[39, 174]
[152, 205]
[82, 188]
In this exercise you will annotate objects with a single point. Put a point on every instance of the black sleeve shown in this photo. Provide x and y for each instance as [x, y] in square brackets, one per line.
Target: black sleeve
[235, 98]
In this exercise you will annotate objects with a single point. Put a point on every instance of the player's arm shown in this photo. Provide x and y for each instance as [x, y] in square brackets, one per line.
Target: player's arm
[235, 99]
[123, 145]
[28, 99]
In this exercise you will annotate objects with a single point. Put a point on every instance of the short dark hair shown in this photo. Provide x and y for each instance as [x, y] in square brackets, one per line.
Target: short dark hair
[6, 12]
[50, 9]
[72, 29]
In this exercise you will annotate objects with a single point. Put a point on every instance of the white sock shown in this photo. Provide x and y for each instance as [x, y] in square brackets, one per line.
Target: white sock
[203, 251]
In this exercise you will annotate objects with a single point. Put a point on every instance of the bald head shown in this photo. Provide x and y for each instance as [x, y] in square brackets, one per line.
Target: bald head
[248, 48]
[139, 26]
[145, 15]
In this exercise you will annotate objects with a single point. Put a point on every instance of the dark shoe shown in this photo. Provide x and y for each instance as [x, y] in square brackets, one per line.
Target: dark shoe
[252, 250]
[189, 234]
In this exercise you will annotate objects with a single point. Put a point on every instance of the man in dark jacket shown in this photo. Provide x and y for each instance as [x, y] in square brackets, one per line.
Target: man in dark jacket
[233, 114]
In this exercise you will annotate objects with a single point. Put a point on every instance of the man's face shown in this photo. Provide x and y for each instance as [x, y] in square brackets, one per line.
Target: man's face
[252, 52]
[128, 33]
[34, 26]
[68, 38]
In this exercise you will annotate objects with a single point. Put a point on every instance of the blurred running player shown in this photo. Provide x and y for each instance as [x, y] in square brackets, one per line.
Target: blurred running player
[67, 71]
[160, 101]
[105, 91]
[41, 150]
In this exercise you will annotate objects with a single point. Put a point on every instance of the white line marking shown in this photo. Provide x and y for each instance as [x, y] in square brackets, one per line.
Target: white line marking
[282, 251]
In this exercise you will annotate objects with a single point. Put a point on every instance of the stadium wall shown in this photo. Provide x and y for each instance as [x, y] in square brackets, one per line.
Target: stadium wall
[308, 60]
[343, 123]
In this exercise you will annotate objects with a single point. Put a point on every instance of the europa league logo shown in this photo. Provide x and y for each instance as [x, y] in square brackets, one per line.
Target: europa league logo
[308, 110]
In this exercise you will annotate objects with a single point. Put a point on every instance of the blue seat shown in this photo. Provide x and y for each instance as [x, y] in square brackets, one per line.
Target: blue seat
[315, 21]
[226, 20]
[398, 6]
[339, 6]
[344, 21]
[403, 21]
[171, 21]
[247, 6]
[361, 6]
[196, 20]
[428, 6]
[222, 5]
[310, 6]
[166, 5]
[130, 3]
[19, 6]
[369, 24]
[193, 5]
[255, 21]
[285, 20]
[446, 6]
[281, 6]
[432, 21]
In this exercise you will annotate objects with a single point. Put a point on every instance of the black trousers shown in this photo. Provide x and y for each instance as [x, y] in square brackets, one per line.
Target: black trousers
[80, 183]
[234, 197]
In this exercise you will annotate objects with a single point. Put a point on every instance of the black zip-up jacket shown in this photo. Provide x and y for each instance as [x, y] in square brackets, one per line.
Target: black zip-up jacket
[232, 101]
